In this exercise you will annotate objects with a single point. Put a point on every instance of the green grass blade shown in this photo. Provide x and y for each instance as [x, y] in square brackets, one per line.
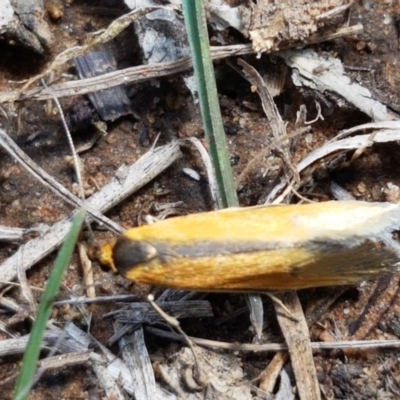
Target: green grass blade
[31, 355]
[195, 20]
[196, 26]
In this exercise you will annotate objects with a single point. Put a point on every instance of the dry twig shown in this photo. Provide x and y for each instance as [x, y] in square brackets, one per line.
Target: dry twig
[127, 181]
[142, 73]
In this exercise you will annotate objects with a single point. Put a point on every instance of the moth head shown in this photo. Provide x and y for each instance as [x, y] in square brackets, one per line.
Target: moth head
[126, 254]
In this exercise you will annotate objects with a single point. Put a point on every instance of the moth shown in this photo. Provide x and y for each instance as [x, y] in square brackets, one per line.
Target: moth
[255, 249]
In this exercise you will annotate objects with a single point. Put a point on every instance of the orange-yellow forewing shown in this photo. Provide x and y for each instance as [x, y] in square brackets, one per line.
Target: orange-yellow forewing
[260, 248]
